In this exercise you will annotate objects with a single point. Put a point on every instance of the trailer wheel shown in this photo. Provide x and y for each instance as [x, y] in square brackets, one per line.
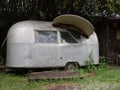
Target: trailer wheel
[1, 61]
[72, 66]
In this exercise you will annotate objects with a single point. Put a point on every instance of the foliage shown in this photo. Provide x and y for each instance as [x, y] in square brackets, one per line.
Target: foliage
[49, 9]
[53, 8]
[92, 68]
[103, 63]
[90, 63]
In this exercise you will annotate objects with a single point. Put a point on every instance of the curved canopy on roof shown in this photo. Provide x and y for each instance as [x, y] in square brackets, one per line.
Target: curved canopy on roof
[74, 22]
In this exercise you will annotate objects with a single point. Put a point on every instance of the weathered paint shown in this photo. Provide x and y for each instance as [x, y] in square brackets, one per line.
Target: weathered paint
[24, 52]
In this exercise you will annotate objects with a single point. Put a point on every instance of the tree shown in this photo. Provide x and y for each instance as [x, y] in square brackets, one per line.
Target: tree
[12, 11]
[48, 9]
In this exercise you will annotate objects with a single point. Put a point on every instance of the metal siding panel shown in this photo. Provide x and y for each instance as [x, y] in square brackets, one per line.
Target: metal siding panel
[18, 55]
[45, 55]
[74, 53]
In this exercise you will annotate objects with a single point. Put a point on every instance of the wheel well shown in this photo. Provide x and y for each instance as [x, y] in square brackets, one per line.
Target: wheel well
[1, 61]
[72, 63]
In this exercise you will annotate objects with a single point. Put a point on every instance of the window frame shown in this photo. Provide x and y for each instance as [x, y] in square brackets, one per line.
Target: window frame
[38, 31]
[72, 36]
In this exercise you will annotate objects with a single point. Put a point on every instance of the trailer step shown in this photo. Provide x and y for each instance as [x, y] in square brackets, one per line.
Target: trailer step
[53, 75]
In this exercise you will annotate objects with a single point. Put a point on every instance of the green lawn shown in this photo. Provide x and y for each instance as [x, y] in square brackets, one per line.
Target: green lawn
[104, 79]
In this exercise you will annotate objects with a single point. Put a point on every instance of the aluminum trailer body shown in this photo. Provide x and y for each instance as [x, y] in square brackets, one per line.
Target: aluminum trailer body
[37, 44]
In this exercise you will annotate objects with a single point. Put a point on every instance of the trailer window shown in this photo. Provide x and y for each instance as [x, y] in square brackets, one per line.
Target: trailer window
[45, 36]
[66, 37]
[76, 35]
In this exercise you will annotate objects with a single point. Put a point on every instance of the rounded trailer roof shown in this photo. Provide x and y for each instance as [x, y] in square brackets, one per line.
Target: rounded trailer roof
[23, 32]
[45, 25]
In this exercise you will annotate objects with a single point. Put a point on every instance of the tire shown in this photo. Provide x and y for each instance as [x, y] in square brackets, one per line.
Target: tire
[72, 66]
[1, 61]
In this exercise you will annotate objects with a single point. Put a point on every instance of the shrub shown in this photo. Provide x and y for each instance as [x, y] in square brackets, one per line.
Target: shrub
[90, 64]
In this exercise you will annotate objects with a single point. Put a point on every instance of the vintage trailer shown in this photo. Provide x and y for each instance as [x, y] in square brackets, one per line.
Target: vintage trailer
[37, 44]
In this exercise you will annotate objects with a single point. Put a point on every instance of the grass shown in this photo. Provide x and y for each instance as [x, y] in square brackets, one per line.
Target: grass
[103, 79]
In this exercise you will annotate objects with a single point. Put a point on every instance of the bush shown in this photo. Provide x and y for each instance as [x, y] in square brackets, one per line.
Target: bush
[90, 63]
[91, 67]
[103, 64]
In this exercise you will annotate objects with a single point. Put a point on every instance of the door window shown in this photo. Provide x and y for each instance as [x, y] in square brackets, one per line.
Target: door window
[67, 38]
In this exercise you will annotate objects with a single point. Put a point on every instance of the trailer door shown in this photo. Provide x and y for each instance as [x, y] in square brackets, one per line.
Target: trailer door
[71, 49]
